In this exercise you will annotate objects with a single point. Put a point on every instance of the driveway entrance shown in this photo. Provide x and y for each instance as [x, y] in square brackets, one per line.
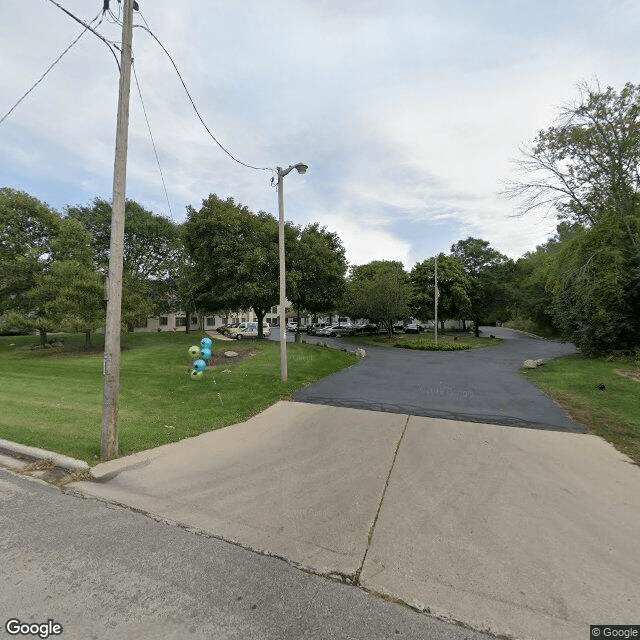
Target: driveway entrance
[479, 385]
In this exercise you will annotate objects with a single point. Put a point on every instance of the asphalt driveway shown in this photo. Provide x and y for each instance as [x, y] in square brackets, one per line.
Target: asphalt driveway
[480, 385]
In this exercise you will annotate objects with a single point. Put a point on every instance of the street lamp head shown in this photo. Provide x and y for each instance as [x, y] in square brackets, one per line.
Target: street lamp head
[301, 168]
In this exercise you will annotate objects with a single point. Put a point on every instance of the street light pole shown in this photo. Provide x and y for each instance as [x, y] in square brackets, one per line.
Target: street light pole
[111, 364]
[300, 168]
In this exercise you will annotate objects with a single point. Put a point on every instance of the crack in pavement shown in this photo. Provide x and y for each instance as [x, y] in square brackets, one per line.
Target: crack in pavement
[356, 576]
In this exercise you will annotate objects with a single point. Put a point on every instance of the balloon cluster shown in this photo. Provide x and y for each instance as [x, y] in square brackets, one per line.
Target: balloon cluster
[202, 354]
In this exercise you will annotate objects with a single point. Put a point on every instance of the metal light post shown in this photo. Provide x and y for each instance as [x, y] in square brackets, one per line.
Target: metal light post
[300, 168]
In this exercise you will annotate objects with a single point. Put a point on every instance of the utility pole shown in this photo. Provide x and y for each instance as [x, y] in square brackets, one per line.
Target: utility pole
[436, 295]
[111, 366]
[283, 294]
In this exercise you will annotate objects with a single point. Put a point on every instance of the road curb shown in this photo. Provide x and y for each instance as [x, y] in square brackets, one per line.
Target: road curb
[58, 459]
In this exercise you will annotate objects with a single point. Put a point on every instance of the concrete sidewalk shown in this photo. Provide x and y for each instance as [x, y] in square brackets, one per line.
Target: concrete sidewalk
[526, 533]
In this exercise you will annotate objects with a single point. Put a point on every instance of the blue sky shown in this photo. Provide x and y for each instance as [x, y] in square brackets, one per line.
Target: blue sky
[410, 114]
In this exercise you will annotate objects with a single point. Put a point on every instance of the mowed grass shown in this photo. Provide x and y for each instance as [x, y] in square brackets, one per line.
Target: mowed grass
[52, 398]
[613, 413]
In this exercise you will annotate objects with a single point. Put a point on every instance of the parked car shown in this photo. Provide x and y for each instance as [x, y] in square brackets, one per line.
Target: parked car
[414, 327]
[312, 329]
[292, 326]
[248, 330]
[338, 330]
[225, 328]
[398, 326]
[365, 327]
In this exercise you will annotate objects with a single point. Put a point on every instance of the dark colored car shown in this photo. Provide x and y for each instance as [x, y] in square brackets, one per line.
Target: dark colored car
[414, 327]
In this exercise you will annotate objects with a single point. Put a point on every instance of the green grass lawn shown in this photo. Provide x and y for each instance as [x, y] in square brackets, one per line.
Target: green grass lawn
[613, 413]
[53, 398]
[449, 341]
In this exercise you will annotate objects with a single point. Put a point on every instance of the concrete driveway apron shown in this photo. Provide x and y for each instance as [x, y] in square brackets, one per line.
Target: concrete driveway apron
[524, 532]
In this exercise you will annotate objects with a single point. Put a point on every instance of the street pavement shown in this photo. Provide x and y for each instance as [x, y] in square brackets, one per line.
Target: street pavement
[107, 573]
[518, 532]
[479, 385]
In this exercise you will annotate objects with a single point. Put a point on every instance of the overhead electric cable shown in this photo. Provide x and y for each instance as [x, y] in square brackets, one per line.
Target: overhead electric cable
[86, 26]
[244, 164]
[43, 76]
[155, 151]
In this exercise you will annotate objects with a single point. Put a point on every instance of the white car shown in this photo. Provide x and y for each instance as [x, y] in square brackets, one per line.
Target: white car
[292, 326]
[249, 330]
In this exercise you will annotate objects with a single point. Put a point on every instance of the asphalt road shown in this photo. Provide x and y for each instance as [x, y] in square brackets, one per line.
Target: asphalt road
[107, 573]
[480, 385]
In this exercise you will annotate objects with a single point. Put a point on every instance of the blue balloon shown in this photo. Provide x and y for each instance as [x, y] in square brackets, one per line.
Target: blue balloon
[206, 343]
[206, 353]
[199, 365]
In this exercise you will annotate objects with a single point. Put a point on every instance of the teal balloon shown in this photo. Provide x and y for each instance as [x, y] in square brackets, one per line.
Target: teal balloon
[197, 375]
[194, 351]
[206, 353]
[206, 343]
[199, 365]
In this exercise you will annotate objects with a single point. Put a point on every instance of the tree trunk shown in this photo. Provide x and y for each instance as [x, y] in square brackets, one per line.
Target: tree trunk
[43, 337]
[298, 337]
[260, 314]
[87, 338]
[476, 327]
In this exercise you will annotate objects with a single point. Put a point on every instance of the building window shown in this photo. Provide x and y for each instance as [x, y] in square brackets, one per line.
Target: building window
[181, 321]
[211, 321]
[194, 320]
[164, 321]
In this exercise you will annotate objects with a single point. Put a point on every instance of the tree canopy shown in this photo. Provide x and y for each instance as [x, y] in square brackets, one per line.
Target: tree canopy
[454, 286]
[586, 170]
[233, 257]
[489, 273]
[379, 291]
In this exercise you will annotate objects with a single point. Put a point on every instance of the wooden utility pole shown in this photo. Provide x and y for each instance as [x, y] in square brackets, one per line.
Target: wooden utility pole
[111, 365]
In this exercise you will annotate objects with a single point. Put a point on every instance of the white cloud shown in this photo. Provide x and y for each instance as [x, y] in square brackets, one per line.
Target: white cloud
[409, 114]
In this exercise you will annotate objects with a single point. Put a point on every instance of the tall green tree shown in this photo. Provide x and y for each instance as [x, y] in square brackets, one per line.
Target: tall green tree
[379, 291]
[595, 286]
[233, 258]
[453, 284]
[586, 169]
[27, 229]
[489, 273]
[586, 164]
[152, 254]
[69, 293]
[316, 268]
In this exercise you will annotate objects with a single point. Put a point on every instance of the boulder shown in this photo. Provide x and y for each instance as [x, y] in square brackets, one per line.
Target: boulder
[361, 353]
[532, 364]
[231, 354]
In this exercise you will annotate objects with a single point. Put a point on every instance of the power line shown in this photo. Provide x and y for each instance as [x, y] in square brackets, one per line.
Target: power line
[86, 26]
[139, 26]
[53, 64]
[155, 151]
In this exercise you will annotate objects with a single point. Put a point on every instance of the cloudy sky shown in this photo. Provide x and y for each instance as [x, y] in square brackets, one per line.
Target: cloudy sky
[409, 113]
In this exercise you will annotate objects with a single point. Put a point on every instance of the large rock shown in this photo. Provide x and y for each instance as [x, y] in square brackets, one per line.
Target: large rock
[231, 354]
[361, 353]
[532, 364]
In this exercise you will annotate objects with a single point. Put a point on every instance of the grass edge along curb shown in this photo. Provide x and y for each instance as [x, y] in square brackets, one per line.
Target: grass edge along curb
[613, 412]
